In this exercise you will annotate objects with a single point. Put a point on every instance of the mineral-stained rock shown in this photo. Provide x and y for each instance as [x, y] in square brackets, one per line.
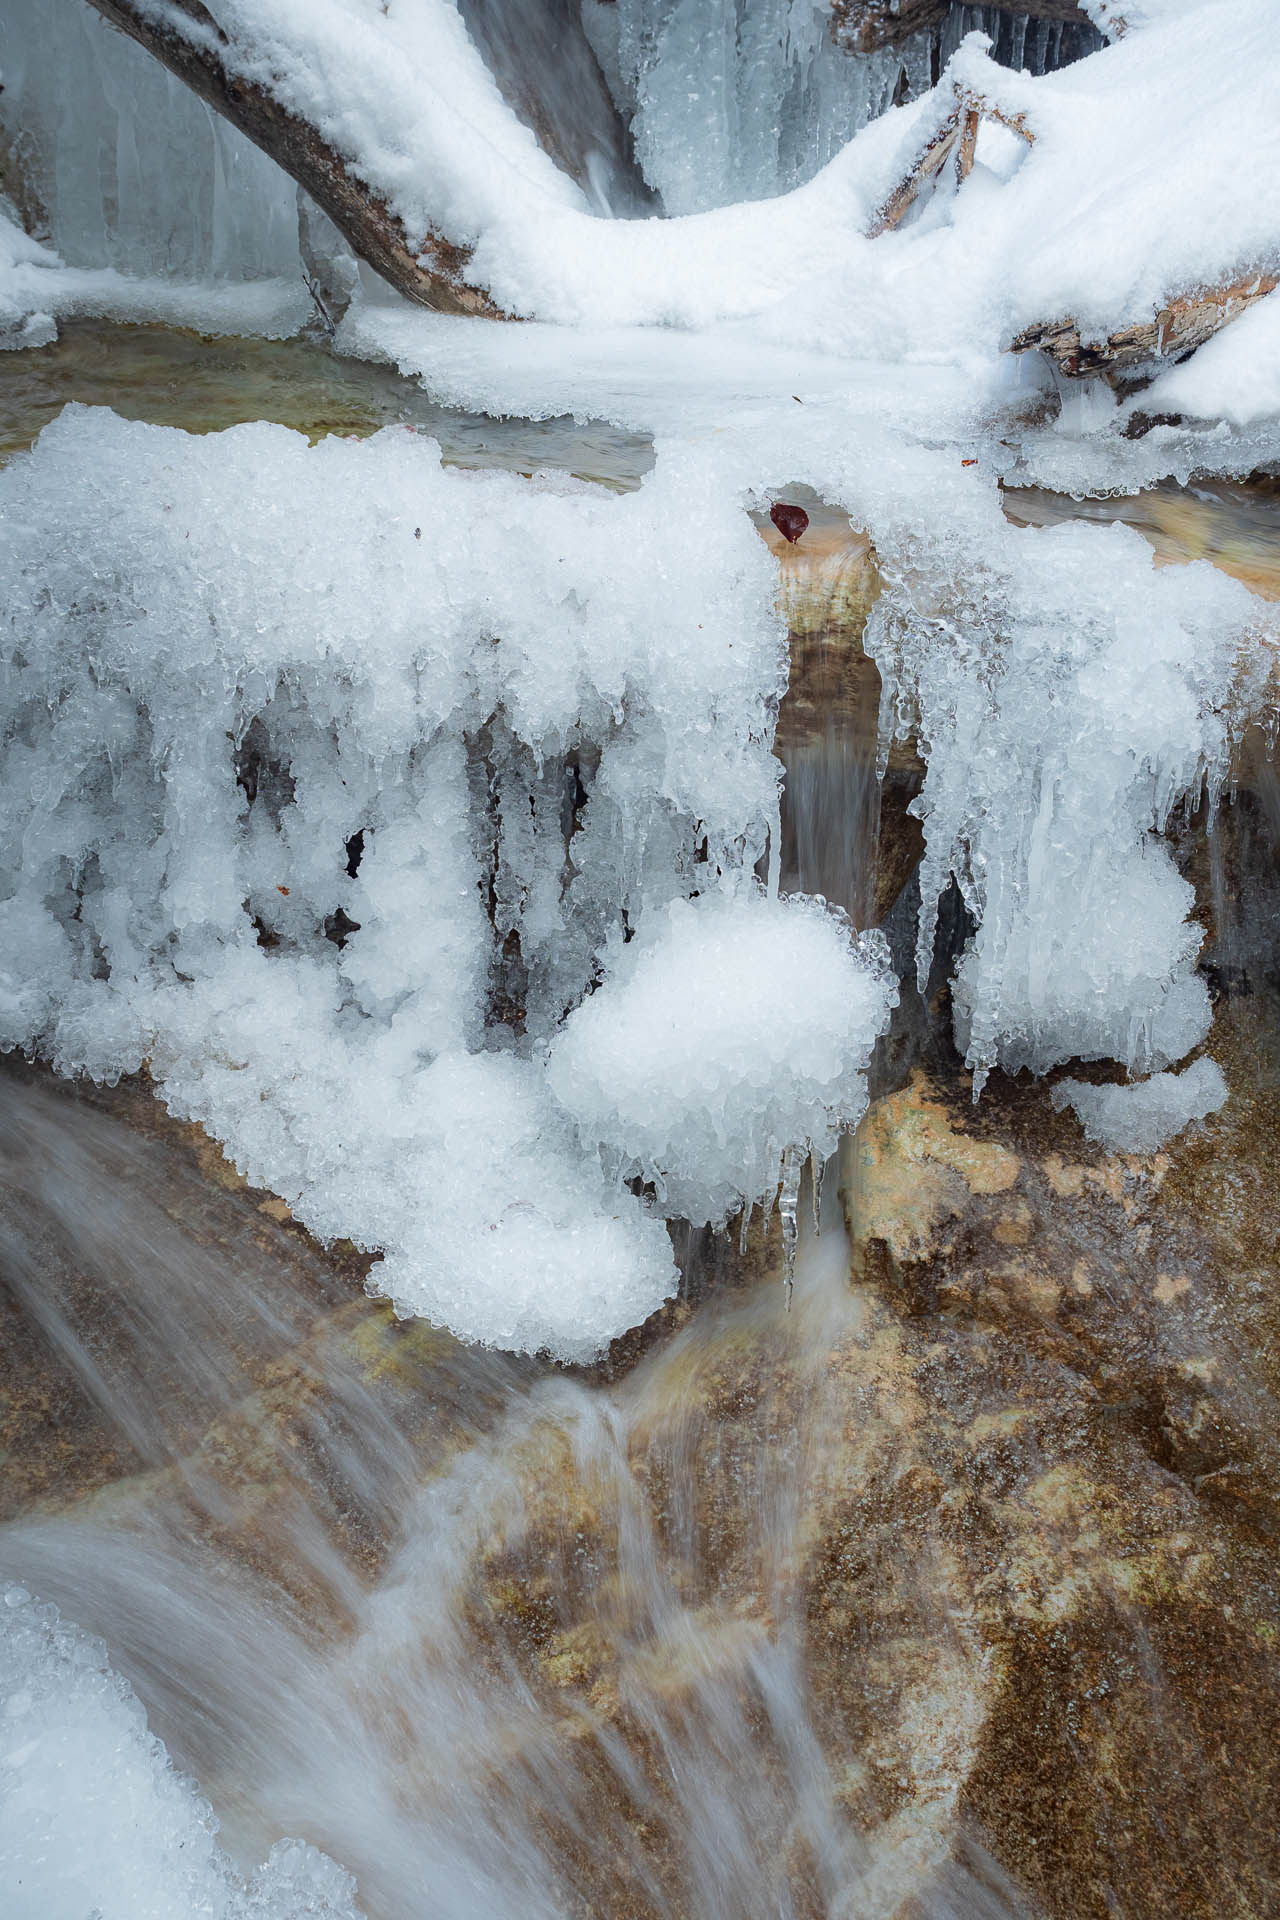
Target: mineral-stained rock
[951, 1591]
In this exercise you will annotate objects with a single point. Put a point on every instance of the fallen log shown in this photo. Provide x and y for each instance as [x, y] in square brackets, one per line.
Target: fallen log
[432, 274]
[1174, 332]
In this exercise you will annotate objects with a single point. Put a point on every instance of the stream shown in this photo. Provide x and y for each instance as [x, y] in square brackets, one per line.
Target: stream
[503, 1638]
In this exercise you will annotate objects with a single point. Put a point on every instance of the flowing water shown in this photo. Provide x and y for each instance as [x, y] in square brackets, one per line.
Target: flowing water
[175, 378]
[513, 1640]
[501, 1638]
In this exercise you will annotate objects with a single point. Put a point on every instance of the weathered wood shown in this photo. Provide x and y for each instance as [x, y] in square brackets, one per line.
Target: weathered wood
[970, 121]
[864, 26]
[433, 274]
[1177, 330]
[927, 167]
[957, 133]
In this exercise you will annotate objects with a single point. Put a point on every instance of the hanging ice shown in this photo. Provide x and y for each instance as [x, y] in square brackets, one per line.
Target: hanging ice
[1069, 698]
[335, 780]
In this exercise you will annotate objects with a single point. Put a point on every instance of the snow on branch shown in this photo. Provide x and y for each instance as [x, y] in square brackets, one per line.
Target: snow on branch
[956, 133]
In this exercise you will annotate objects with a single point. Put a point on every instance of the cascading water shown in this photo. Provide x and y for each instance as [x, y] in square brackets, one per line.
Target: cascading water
[488, 1635]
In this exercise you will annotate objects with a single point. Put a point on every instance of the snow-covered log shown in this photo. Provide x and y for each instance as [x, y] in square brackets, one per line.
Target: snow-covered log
[187, 40]
[1175, 331]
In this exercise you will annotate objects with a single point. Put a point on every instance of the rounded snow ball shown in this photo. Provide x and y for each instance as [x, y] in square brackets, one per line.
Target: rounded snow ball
[732, 1027]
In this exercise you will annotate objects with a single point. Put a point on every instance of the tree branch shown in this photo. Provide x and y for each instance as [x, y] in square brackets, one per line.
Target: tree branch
[1177, 330]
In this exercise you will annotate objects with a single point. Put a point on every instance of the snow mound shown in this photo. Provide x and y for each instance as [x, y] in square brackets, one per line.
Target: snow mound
[403, 95]
[1141, 1116]
[734, 1028]
[93, 1817]
[1233, 377]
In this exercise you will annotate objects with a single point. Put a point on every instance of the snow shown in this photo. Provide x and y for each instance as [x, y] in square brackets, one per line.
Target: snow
[550, 713]
[1234, 377]
[1078, 227]
[1141, 1116]
[403, 94]
[93, 1817]
[689, 1065]
[413, 826]
[37, 289]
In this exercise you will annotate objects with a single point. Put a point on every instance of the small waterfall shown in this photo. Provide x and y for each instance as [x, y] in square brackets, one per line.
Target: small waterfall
[828, 722]
[489, 1634]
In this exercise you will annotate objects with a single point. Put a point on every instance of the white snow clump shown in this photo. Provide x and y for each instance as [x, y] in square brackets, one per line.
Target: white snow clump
[726, 1020]
[1142, 1115]
[93, 1817]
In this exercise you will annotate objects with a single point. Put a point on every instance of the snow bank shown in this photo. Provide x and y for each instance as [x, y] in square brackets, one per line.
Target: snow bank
[729, 1018]
[37, 289]
[1141, 1116]
[1078, 224]
[93, 1817]
[328, 768]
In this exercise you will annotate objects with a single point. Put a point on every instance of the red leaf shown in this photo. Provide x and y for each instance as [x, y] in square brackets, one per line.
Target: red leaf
[790, 521]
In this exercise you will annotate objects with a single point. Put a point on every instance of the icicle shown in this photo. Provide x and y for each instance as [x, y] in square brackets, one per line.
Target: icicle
[788, 1203]
[744, 1228]
[815, 1187]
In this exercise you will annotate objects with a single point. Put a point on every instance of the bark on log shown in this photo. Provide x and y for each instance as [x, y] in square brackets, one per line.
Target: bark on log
[433, 274]
[864, 26]
[1177, 330]
[958, 133]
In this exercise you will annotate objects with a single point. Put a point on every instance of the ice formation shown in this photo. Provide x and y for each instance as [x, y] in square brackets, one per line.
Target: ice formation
[1067, 701]
[328, 768]
[127, 167]
[1141, 1115]
[338, 786]
[93, 1817]
[728, 103]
